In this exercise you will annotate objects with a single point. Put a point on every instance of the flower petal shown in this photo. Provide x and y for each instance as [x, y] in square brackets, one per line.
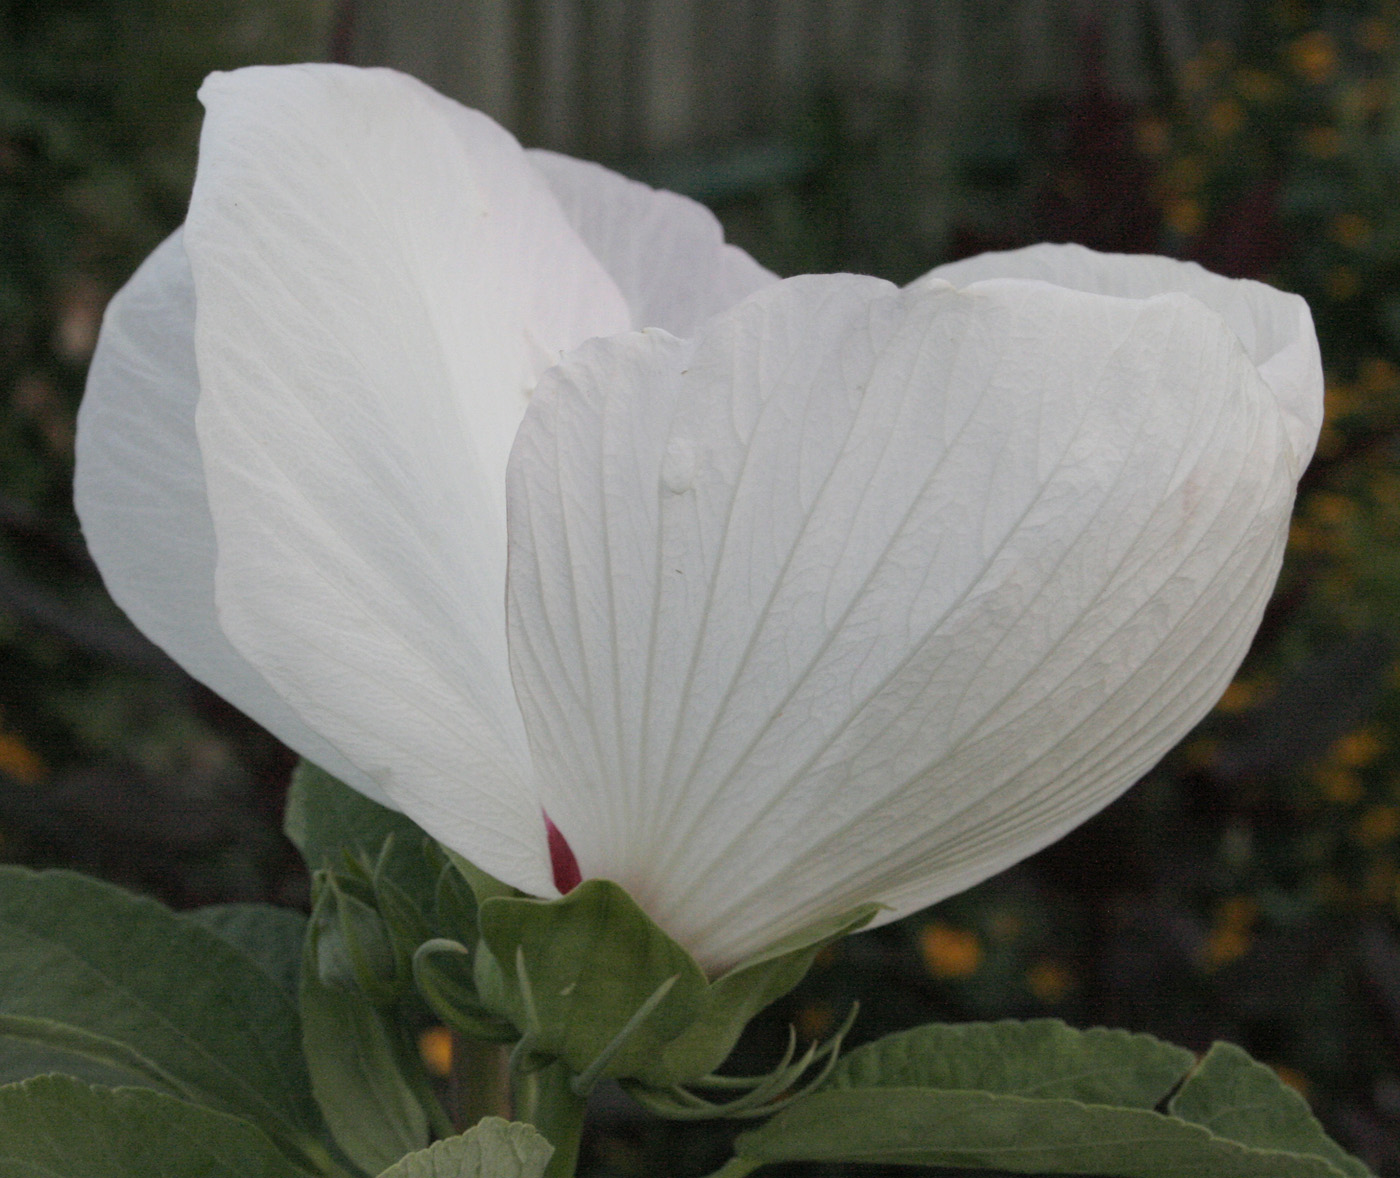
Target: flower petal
[1275, 328]
[666, 252]
[380, 278]
[868, 594]
[139, 491]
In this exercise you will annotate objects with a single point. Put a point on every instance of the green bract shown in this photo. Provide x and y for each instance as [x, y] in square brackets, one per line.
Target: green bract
[590, 979]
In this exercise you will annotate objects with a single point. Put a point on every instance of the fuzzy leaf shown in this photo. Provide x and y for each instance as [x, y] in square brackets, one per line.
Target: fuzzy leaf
[271, 938]
[492, 1148]
[357, 1075]
[80, 952]
[58, 1127]
[1042, 1059]
[1236, 1097]
[986, 1131]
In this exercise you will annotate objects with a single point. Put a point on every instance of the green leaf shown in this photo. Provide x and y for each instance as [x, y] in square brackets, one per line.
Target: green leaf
[577, 976]
[591, 961]
[731, 1000]
[83, 953]
[37, 1046]
[325, 818]
[983, 1130]
[1043, 1058]
[493, 1148]
[271, 938]
[58, 1127]
[1236, 1097]
[1041, 1097]
[484, 887]
[350, 944]
[357, 1074]
[442, 972]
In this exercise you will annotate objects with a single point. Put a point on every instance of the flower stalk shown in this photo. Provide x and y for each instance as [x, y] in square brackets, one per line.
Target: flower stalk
[545, 1098]
[479, 1082]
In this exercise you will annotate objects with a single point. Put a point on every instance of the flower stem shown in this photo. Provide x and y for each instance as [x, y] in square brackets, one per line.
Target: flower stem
[545, 1099]
[480, 1081]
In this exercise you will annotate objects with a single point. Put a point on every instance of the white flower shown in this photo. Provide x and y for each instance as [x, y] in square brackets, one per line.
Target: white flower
[827, 594]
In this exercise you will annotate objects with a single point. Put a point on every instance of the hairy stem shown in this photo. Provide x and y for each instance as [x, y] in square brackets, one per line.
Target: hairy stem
[480, 1081]
[545, 1099]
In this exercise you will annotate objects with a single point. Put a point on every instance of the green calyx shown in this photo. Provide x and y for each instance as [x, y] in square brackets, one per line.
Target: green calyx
[591, 980]
[351, 943]
[587, 981]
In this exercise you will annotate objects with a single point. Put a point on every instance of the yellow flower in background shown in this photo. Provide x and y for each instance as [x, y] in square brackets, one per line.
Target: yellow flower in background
[950, 952]
[1314, 56]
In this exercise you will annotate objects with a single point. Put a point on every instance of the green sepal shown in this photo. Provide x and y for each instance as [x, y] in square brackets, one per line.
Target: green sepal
[406, 924]
[350, 944]
[325, 819]
[442, 972]
[62, 1128]
[590, 977]
[733, 998]
[492, 1148]
[484, 887]
[572, 973]
[360, 1076]
[392, 887]
[455, 904]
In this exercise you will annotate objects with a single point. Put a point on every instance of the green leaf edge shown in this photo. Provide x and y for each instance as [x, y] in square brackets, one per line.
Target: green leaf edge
[709, 1015]
[242, 1099]
[272, 1160]
[71, 1040]
[1225, 1062]
[450, 1157]
[750, 1151]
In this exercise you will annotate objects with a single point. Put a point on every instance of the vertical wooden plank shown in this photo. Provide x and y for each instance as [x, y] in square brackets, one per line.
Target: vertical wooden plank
[463, 50]
[527, 64]
[605, 65]
[792, 65]
[668, 63]
[619, 78]
[561, 115]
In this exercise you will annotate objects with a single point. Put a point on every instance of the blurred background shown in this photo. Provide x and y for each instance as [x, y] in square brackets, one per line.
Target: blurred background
[1248, 889]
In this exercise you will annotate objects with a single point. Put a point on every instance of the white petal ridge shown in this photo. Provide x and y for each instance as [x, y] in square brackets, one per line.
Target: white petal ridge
[139, 491]
[867, 594]
[1274, 327]
[380, 278]
[666, 252]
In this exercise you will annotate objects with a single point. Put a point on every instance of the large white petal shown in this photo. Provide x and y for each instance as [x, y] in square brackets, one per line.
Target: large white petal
[380, 278]
[666, 252]
[1275, 328]
[867, 594]
[139, 491]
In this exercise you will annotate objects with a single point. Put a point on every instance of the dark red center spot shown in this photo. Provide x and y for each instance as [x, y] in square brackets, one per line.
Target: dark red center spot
[561, 858]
